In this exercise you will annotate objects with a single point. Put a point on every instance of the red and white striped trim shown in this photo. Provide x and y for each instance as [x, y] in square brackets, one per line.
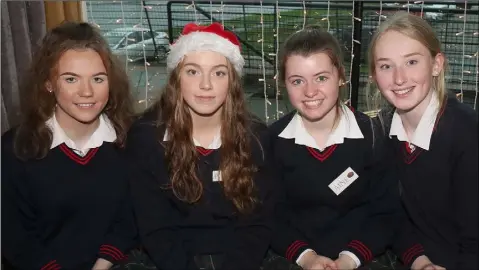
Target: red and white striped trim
[52, 265]
[113, 252]
[362, 249]
[411, 252]
[293, 249]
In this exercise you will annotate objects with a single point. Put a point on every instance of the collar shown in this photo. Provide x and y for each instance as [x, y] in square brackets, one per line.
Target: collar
[347, 128]
[215, 144]
[423, 133]
[104, 133]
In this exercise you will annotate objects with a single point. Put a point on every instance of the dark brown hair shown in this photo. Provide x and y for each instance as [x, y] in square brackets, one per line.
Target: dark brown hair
[311, 40]
[236, 163]
[33, 138]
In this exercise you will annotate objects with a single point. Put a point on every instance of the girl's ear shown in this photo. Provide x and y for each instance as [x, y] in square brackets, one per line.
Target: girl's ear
[438, 64]
[48, 86]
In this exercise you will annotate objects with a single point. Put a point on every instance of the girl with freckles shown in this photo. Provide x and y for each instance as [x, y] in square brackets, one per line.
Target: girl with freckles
[202, 185]
[434, 138]
[65, 197]
[339, 201]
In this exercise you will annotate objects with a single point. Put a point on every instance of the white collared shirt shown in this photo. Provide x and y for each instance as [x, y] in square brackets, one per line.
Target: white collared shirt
[215, 144]
[423, 133]
[347, 128]
[104, 133]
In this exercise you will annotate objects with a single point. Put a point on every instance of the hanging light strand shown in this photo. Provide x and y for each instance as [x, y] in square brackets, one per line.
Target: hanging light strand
[304, 14]
[352, 52]
[327, 14]
[146, 64]
[463, 49]
[124, 26]
[193, 5]
[222, 14]
[211, 11]
[263, 68]
[380, 12]
[276, 76]
[477, 78]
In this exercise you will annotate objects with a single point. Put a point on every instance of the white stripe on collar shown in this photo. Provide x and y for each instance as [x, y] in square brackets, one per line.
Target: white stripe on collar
[104, 133]
[347, 128]
[423, 133]
[215, 144]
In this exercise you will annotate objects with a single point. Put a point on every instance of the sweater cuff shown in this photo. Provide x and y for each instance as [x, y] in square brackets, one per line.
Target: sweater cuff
[52, 265]
[111, 254]
[361, 251]
[301, 255]
[352, 256]
[295, 249]
[411, 254]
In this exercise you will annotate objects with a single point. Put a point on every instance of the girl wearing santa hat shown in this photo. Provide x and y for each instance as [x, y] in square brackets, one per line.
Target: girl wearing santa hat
[201, 187]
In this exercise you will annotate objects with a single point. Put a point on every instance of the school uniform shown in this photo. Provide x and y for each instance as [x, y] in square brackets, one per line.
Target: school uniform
[209, 234]
[68, 209]
[439, 180]
[342, 199]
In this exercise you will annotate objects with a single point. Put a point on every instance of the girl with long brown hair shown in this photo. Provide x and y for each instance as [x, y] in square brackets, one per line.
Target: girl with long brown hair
[201, 188]
[64, 194]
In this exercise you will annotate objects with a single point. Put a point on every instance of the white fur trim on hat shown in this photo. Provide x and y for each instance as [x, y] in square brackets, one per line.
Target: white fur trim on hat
[204, 41]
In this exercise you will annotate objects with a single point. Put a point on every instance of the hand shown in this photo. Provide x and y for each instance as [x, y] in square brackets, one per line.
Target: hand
[345, 262]
[313, 261]
[423, 263]
[432, 266]
[102, 264]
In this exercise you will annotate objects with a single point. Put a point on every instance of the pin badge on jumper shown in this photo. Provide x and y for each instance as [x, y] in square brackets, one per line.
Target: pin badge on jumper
[216, 176]
[343, 181]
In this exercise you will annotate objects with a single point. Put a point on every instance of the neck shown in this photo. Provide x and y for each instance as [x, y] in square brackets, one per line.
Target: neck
[410, 119]
[205, 124]
[322, 126]
[77, 131]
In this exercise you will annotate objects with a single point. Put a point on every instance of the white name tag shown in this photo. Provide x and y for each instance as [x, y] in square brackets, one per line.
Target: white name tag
[343, 181]
[216, 176]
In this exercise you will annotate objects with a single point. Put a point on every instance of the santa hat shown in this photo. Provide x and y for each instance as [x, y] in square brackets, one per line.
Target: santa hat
[206, 38]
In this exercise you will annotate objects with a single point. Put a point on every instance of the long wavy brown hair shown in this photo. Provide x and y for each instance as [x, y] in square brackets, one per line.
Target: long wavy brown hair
[236, 163]
[33, 138]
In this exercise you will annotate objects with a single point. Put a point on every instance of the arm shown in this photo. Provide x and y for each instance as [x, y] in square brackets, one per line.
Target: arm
[121, 237]
[286, 240]
[405, 244]
[465, 197]
[156, 217]
[20, 243]
[383, 206]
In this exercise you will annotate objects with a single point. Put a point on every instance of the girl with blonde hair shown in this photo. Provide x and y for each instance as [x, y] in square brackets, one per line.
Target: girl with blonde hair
[435, 141]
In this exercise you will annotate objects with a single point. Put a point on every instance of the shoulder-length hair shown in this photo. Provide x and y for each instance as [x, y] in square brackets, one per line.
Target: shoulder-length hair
[33, 138]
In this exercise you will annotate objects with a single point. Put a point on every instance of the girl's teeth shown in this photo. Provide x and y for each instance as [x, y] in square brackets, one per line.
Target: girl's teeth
[312, 103]
[402, 92]
[85, 105]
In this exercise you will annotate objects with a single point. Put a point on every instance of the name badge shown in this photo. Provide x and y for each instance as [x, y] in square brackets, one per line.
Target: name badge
[343, 181]
[216, 176]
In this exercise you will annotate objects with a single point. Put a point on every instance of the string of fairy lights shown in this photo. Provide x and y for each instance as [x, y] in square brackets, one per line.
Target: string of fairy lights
[263, 67]
[463, 33]
[469, 59]
[276, 61]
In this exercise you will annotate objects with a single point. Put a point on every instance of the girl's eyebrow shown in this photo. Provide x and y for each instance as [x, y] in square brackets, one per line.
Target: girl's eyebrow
[405, 56]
